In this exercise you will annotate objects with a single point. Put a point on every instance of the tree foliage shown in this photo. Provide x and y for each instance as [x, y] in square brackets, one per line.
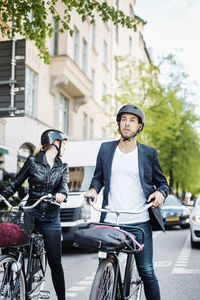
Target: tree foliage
[30, 18]
[171, 121]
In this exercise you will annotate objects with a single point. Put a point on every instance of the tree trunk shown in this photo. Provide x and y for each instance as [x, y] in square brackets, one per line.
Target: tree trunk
[171, 182]
[177, 189]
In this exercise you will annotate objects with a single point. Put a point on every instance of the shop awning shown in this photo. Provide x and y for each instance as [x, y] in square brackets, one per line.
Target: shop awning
[3, 149]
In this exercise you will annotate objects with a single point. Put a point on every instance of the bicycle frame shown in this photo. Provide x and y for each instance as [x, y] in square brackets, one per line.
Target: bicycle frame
[121, 286]
[18, 253]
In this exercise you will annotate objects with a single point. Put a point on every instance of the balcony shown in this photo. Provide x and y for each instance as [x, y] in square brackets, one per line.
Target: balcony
[66, 75]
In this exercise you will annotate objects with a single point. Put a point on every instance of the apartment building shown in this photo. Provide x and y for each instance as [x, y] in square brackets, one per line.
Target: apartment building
[67, 94]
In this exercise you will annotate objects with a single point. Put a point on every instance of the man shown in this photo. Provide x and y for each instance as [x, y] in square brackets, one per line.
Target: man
[132, 175]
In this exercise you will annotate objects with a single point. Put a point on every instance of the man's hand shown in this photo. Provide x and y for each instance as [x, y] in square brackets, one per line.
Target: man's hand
[91, 193]
[157, 198]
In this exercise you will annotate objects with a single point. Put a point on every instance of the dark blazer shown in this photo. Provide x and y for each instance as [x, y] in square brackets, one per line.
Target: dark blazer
[151, 176]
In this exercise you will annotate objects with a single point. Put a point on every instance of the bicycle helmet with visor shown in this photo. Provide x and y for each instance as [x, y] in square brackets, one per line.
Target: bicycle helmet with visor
[131, 109]
[50, 135]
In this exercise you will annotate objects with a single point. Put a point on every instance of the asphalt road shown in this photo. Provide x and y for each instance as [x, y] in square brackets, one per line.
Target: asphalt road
[177, 267]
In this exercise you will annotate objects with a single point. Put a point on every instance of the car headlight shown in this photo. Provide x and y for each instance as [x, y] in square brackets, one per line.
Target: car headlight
[196, 218]
[85, 212]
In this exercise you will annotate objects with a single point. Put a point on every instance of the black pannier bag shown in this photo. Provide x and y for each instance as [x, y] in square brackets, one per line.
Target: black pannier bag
[105, 238]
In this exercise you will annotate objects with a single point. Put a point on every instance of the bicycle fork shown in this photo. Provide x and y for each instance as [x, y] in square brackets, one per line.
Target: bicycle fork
[16, 269]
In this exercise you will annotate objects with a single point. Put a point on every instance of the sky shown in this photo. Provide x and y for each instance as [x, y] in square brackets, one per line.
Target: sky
[173, 26]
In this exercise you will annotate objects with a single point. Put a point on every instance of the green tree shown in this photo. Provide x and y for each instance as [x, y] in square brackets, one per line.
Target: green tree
[30, 18]
[171, 120]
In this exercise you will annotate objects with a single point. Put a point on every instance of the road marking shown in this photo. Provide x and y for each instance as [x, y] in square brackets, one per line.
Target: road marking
[180, 266]
[156, 233]
[73, 291]
[164, 263]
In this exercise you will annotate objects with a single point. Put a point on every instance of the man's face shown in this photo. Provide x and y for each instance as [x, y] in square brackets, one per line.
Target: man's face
[129, 125]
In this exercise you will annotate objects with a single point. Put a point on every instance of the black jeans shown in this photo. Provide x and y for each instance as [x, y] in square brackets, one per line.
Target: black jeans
[49, 225]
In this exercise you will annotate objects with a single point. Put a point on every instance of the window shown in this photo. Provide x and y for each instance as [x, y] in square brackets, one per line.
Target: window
[117, 33]
[85, 126]
[103, 133]
[55, 38]
[94, 35]
[76, 45]
[63, 113]
[116, 68]
[84, 56]
[93, 83]
[105, 53]
[80, 178]
[104, 89]
[91, 128]
[31, 91]
[104, 94]
[130, 46]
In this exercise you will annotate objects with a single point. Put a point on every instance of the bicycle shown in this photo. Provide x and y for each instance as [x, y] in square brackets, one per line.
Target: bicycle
[110, 281]
[23, 266]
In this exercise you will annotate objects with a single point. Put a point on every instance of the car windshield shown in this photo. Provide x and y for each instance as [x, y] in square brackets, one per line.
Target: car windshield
[80, 178]
[172, 200]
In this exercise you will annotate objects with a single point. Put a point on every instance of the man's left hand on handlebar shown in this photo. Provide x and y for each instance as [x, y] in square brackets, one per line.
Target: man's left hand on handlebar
[91, 193]
[157, 198]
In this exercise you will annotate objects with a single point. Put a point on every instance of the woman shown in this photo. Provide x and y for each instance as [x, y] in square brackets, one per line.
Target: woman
[47, 174]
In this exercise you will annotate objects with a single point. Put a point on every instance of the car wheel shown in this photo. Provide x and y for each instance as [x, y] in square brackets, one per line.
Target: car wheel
[194, 244]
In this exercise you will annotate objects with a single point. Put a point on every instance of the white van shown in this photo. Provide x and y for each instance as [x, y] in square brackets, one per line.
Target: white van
[75, 214]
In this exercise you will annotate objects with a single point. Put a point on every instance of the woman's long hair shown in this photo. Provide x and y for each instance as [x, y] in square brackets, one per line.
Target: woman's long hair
[45, 147]
[41, 148]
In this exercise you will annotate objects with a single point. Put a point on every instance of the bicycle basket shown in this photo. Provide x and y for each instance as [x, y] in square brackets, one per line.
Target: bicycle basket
[15, 228]
[104, 238]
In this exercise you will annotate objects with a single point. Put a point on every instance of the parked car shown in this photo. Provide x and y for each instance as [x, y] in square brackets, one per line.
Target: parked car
[195, 224]
[174, 212]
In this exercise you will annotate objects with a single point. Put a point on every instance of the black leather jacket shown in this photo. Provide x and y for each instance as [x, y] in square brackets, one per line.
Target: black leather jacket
[42, 180]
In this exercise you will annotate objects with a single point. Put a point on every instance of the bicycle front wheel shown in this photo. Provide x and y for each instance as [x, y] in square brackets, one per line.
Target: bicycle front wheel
[103, 284]
[12, 284]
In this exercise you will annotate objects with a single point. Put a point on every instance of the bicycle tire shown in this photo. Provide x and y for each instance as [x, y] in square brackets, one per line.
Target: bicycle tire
[39, 263]
[8, 280]
[134, 288]
[103, 284]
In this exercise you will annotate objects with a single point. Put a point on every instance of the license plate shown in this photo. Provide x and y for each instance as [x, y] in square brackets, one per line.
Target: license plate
[173, 219]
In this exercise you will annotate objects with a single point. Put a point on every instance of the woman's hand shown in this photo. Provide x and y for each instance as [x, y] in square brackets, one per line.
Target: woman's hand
[60, 197]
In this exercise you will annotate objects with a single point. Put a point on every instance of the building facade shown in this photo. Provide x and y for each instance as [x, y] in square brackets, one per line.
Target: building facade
[67, 94]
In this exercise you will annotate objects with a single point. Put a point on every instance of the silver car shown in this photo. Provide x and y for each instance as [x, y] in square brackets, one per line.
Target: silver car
[195, 224]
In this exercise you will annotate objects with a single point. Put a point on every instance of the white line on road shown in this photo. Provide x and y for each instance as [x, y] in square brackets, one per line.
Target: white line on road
[182, 261]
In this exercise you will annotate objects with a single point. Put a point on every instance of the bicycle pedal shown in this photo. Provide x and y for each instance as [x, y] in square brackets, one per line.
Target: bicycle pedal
[44, 295]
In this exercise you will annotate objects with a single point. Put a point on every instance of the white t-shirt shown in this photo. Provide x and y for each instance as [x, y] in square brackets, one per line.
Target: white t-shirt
[125, 188]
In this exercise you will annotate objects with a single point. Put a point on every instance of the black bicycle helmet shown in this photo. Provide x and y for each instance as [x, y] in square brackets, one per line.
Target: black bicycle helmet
[131, 109]
[50, 135]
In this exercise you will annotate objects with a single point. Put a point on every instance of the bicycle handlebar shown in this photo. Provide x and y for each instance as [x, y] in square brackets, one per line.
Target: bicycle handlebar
[108, 209]
[47, 198]
[116, 211]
